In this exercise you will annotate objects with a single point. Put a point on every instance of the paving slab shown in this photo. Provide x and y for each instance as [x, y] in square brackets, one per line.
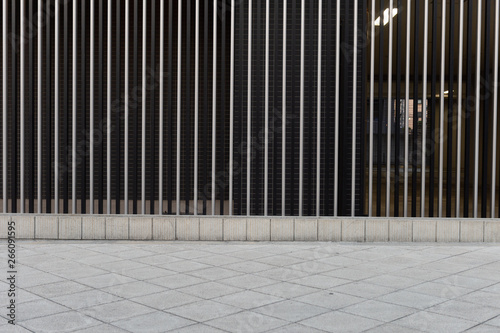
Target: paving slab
[166, 300]
[62, 322]
[58, 289]
[153, 322]
[379, 310]
[39, 308]
[340, 322]
[203, 310]
[247, 321]
[116, 311]
[155, 286]
[431, 322]
[209, 290]
[86, 299]
[291, 310]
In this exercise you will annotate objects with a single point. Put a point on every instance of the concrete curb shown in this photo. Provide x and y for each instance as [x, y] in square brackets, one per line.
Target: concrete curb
[220, 228]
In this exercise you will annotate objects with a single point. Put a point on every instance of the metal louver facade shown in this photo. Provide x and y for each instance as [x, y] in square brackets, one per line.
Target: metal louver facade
[250, 107]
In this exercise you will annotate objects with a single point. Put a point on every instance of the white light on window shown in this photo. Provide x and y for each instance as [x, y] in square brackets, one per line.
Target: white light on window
[445, 93]
[386, 16]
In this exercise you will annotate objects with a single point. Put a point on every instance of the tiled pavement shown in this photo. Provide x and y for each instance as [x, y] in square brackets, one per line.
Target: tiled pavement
[105, 286]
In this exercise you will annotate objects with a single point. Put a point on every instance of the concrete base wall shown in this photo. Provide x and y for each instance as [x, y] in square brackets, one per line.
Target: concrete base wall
[220, 228]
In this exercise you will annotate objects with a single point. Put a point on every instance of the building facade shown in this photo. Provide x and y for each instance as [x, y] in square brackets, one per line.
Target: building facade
[250, 107]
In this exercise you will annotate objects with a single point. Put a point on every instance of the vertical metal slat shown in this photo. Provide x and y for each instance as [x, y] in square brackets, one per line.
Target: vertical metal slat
[205, 106]
[152, 119]
[170, 108]
[276, 107]
[486, 112]
[91, 85]
[222, 121]
[83, 188]
[459, 108]
[13, 163]
[196, 101]
[126, 120]
[73, 155]
[231, 114]
[389, 117]
[100, 185]
[309, 182]
[407, 106]
[39, 114]
[283, 119]
[266, 115]
[372, 88]
[450, 109]
[187, 136]
[495, 112]
[424, 110]
[108, 122]
[478, 107]
[432, 112]
[397, 143]
[56, 110]
[318, 117]
[117, 124]
[416, 55]
[301, 144]
[136, 106]
[354, 96]
[66, 107]
[441, 109]
[469, 97]
[32, 120]
[249, 107]
[179, 89]
[22, 109]
[214, 102]
[337, 111]
[4, 107]
[380, 106]
[160, 107]
[143, 117]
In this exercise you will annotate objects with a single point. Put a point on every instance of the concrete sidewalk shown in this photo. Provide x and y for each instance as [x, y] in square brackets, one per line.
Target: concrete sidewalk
[126, 286]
